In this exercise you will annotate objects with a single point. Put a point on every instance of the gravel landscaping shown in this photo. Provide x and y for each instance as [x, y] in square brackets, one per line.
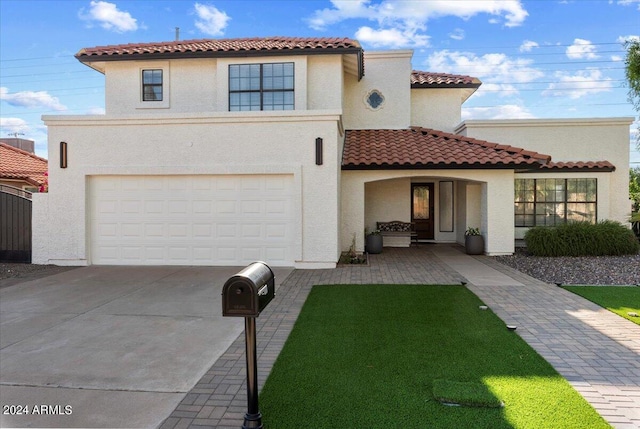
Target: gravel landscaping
[598, 270]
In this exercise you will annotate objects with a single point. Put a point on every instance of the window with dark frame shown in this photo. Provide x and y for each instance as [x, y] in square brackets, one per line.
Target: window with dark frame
[152, 85]
[261, 87]
[550, 202]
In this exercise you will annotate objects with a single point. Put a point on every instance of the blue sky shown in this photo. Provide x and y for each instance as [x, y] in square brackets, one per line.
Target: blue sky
[536, 59]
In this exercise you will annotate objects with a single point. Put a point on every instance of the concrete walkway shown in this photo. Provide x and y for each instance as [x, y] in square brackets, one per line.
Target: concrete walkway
[595, 350]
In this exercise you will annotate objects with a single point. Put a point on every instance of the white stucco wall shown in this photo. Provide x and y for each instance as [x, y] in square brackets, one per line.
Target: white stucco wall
[325, 82]
[188, 86]
[387, 72]
[201, 85]
[387, 200]
[439, 109]
[226, 143]
[591, 139]
[487, 202]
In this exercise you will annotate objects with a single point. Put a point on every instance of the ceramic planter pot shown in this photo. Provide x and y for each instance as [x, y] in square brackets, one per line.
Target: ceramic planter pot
[474, 244]
[374, 243]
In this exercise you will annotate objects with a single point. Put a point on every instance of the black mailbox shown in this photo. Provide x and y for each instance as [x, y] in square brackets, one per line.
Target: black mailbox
[247, 293]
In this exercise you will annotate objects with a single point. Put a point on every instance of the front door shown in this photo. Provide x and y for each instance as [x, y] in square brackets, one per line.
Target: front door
[422, 209]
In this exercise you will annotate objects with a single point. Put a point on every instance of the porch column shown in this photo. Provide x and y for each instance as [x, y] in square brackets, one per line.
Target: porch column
[497, 209]
[352, 200]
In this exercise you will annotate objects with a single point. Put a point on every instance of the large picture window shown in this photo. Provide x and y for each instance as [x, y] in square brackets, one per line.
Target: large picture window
[151, 85]
[261, 87]
[549, 202]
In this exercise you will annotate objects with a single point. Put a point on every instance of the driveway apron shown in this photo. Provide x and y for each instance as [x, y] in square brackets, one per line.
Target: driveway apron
[109, 346]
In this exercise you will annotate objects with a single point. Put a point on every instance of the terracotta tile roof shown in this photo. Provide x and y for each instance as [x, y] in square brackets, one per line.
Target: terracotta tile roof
[426, 148]
[421, 79]
[221, 46]
[580, 166]
[18, 164]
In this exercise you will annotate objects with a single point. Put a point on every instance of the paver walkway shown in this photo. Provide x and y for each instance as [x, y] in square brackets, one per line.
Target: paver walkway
[595, 350]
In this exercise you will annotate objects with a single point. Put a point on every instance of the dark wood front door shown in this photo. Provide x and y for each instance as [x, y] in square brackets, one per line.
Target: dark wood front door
[422, 209]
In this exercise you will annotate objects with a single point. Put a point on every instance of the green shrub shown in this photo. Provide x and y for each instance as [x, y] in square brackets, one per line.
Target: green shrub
[607, 238]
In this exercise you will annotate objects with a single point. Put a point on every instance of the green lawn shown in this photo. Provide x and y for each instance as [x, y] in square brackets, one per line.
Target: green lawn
[367, 356]
[621, 300]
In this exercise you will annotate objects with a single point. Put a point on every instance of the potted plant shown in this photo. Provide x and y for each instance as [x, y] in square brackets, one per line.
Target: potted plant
[373, 241]
[473, 241]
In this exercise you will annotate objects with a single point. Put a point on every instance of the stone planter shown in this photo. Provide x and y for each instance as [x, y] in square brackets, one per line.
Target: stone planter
[474, 244]
[374, 243]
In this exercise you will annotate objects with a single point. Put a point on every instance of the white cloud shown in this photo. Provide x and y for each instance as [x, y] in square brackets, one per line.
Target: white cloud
[623, 39]
[13, 125]
[457, 34]
[211, 21]
[581, 84]
[403, 10]
[506, 111]
[404, 17]
[499, 89]
[342, 10]
[628, 2]
[392, 38]
[109, 17]
[528, 45]
[31, 99]
[581, 49]
[497, 71]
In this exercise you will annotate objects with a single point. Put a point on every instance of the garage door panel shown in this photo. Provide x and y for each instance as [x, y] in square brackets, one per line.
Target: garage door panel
[277, 231]
[202, 231]
[202, 220]
[131, 207]
[227, 207]
[132, 230]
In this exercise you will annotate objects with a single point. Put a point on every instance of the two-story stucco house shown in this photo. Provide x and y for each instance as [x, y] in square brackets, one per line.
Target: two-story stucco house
[223, 152]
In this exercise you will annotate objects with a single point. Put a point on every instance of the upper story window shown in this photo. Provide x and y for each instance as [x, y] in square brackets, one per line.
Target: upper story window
[152, 85]
[261, 87]
[549, 202]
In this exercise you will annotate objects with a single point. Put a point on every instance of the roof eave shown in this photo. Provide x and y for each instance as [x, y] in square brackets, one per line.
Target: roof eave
[578, 169]
[86, 58]
[473, 86]
[96, 62]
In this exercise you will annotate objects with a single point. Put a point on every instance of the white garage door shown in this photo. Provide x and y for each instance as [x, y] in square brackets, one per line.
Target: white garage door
[191, 220]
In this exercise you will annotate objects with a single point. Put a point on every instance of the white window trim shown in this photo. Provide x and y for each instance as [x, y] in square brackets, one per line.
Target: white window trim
[300, 83]
[166, 79]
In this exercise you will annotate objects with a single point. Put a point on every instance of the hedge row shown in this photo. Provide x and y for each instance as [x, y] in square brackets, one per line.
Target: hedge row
[607, 238]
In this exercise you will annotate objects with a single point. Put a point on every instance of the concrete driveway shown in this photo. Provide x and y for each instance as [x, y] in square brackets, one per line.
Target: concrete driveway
[110, 346]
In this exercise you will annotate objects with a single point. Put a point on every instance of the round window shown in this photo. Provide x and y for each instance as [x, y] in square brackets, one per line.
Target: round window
[374, 99]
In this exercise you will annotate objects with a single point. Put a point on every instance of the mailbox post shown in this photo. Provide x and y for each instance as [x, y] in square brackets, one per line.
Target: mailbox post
[246, 294]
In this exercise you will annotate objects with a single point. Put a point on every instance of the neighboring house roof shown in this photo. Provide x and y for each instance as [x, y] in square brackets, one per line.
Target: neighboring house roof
[17, 164]
[426, 148]
[213, 48]
[421, 79]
